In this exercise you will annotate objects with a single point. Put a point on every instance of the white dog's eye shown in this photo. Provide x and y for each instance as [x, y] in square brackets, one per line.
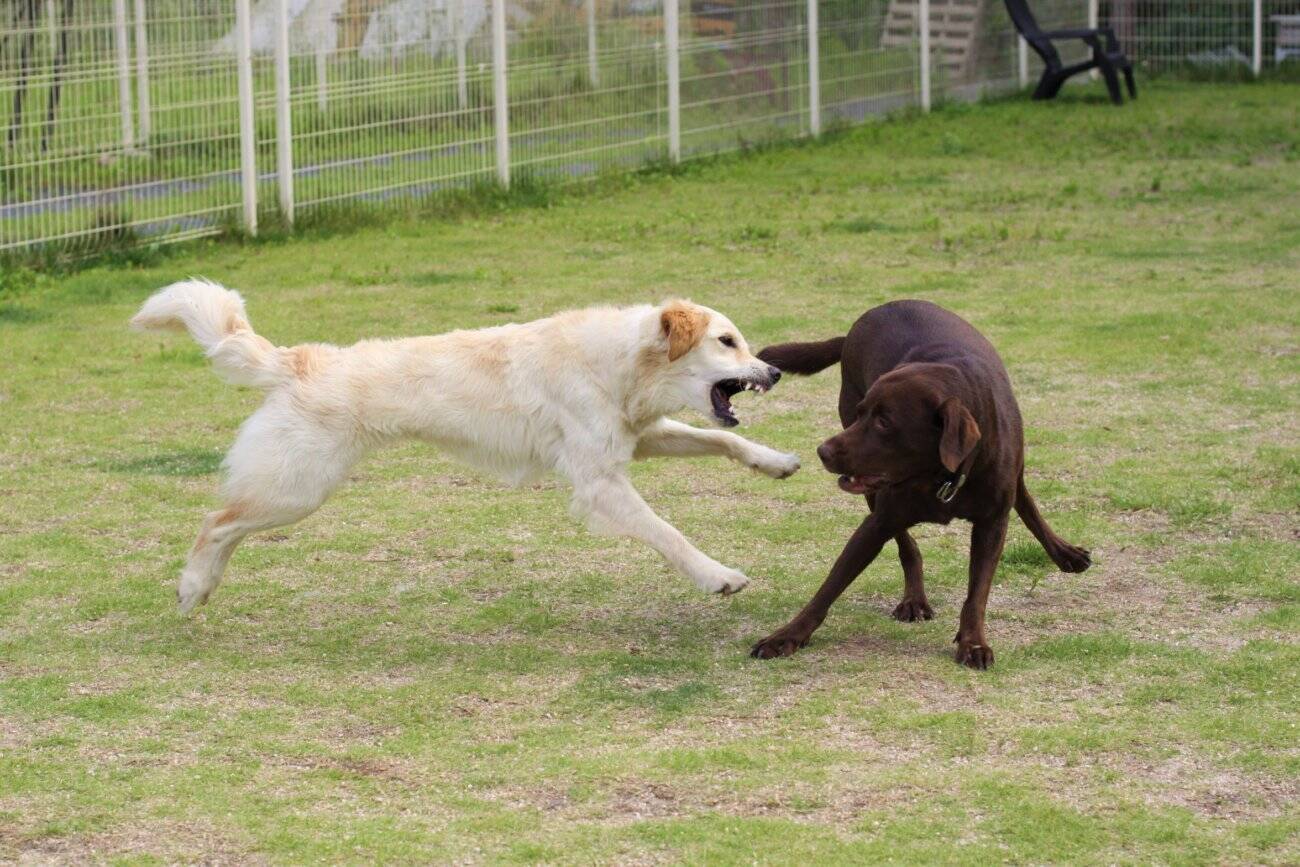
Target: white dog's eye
[727, 340]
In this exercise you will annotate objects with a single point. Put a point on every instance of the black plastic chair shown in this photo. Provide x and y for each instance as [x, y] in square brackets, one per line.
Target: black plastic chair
[1107, 58]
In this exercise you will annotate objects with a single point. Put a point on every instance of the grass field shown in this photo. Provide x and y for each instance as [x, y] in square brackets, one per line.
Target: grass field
[435, 668]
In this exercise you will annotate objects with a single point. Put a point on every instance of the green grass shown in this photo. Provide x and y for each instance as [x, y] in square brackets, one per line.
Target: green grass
[434, 668]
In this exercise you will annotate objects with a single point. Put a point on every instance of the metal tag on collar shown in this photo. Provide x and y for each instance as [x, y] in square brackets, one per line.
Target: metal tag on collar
[948, 490]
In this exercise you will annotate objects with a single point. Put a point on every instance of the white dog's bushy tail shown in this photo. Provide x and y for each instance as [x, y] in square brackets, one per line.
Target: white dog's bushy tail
[215, 318]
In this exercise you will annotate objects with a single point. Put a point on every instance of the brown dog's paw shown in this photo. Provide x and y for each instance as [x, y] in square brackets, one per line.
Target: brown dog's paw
[779, 643]
[1069, 558]
[911, 610]
[978, 656]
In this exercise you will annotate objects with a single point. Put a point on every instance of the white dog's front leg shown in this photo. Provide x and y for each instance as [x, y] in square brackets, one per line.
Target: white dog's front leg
[668, 438]
[611, 505]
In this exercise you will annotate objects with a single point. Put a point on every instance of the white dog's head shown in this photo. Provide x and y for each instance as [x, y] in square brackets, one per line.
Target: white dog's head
[708, 360]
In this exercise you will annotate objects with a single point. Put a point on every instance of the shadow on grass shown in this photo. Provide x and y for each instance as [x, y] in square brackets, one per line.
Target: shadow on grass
[20, 315]
[182, 462]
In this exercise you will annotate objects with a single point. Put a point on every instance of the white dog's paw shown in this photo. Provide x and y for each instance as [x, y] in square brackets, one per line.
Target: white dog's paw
[778, 465]
[723, 581]
[191, 592]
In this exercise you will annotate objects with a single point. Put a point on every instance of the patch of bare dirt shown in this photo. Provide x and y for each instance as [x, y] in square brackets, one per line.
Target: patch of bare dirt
[626, 801]
[166, 840]
[367, 767]
[1189, 781]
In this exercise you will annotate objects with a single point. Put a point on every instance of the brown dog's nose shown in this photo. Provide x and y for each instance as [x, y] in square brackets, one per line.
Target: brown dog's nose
[774, 374]
[826, 452]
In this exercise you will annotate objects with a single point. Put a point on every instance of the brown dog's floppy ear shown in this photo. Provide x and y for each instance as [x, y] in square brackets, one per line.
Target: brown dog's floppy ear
[683, 324]
[960, 433]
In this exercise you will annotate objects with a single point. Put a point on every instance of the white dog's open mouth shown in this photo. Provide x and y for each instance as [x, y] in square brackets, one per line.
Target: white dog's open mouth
[722, 393]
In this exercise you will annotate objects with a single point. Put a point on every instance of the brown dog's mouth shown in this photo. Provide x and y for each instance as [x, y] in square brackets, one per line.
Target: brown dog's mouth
[723, 391]
[860, 484]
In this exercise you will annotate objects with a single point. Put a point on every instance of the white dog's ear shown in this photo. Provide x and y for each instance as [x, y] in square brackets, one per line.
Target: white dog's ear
[683, 324]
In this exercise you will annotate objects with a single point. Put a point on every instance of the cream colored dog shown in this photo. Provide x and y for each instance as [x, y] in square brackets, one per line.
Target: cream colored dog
[581, 394]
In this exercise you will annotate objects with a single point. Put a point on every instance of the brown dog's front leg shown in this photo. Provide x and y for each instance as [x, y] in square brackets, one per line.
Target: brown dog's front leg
[986, 540]
[863, 546]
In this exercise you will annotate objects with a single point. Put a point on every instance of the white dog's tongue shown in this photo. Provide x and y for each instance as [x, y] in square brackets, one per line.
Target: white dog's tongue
[722, 407]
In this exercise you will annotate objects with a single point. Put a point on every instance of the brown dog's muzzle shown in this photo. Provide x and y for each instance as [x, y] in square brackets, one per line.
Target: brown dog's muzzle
[834, 457]
[831, 454]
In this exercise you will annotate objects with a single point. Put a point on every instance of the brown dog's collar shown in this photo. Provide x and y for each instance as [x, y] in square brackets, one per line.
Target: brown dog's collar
[949, 487]
[953, 482]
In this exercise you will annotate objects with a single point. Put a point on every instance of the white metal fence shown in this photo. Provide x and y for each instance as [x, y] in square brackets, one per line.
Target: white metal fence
[157, 120]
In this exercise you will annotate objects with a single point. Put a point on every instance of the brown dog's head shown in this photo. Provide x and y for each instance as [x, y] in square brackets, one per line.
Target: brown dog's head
[909, 425]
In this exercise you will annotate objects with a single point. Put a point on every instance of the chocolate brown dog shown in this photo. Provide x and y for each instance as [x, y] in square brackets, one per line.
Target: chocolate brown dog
[931, 433]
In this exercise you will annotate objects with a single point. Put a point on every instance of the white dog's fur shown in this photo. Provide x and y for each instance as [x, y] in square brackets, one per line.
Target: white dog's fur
[581, 394]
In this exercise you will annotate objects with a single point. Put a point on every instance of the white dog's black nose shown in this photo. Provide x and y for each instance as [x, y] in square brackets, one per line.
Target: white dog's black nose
[774, 374]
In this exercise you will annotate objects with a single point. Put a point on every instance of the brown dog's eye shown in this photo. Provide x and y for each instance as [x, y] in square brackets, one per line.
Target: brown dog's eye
[727, 340]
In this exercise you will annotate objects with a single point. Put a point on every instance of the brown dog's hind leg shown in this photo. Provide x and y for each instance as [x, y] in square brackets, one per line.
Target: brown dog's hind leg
[1067, 557]
[914, 605]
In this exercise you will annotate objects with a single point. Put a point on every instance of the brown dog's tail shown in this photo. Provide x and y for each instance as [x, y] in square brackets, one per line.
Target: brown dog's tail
[804, 358]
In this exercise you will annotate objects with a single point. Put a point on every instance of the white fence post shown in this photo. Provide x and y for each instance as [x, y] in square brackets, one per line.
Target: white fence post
[144, 105]
[593, 68]
[283, 113]
[247, 124]
[1092, 25]
[1257, 37]
[923, 22]
[52, 26]
[500, 96]
[122, 45]
[674, 81]
[1022, 61]
[322, 80]
[458, 38]
[814, 72]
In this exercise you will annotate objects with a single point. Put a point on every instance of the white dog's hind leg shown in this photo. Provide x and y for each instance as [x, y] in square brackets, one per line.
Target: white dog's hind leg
[672, 439]
[280, 469]
[222, 531]
[611, 505]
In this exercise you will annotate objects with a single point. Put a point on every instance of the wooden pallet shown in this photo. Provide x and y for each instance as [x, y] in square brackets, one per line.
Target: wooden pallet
[954, 32]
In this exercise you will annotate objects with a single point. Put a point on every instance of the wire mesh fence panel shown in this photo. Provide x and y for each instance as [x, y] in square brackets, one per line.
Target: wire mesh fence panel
[1281, 36]
[863, 70]
[389, 102]
[1200, 38]
[587, 89]
[744, 73]
[115, 126]
[973, 47]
